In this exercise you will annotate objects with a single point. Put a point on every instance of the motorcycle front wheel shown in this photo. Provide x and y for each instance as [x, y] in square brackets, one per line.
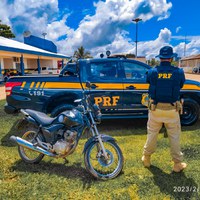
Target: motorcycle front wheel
[28, 155]
[102, 168]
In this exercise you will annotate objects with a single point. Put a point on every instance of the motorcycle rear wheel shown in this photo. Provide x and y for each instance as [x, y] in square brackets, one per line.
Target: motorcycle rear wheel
[98, 166]
[28, 155]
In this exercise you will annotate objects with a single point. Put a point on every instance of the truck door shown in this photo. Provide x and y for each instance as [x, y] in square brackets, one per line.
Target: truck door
[107, 88]
[134, 84]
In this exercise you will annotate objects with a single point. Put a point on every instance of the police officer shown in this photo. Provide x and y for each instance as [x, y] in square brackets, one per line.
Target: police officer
[164, 105]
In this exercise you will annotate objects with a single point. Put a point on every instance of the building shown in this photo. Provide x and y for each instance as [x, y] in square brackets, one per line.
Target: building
[24, 58]
[190, 62]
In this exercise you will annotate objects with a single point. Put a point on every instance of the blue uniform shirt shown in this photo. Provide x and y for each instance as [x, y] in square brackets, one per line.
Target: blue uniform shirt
[165, 83]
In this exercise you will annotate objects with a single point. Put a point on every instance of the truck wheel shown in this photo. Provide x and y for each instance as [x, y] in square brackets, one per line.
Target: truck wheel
[191, 111]
[59, 109]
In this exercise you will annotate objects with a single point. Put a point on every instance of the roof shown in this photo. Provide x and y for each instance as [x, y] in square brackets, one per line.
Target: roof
[193, 57]
[19, 47]
[90, 60]
[123, 55]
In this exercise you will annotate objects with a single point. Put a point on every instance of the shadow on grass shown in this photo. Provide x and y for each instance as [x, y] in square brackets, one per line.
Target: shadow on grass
[121, 124]
[176, 185]
[192, 127]
[136, 126]
[17, 129]
[127, 126]
[74, 171]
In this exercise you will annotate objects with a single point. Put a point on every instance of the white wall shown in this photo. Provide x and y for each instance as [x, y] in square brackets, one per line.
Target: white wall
[46, 63]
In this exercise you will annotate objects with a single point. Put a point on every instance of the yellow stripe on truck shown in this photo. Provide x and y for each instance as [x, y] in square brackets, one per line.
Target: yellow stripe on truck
[53, 85]
[32, 84]
[37, 85]
[42, 85]
[108, 86]
[190, 87]
[105, 86]
[23, 84]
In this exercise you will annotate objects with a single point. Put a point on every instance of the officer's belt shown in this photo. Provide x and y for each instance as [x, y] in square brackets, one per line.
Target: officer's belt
[165, 106]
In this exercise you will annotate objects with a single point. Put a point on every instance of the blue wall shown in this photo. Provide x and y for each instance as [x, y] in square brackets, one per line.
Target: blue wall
[40, 43]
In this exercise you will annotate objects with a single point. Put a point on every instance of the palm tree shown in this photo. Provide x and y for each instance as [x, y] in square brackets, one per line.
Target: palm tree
[80, 53]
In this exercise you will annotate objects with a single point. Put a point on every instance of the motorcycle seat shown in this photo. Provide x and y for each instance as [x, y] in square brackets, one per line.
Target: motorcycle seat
[40, 117]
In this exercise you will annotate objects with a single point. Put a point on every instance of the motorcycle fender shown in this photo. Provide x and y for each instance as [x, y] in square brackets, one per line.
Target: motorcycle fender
[95, 138]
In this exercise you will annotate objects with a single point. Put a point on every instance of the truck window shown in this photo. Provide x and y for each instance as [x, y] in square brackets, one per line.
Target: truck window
[134, 71]
[104, 70]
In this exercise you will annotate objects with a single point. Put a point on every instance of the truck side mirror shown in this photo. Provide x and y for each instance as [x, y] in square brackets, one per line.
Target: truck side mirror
[70, 70]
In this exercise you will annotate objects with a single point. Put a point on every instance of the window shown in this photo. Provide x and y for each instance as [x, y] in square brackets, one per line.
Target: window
[134, 71]
[103, 70]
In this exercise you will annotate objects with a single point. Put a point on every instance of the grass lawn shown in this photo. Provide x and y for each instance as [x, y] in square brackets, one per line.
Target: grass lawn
[54, 179]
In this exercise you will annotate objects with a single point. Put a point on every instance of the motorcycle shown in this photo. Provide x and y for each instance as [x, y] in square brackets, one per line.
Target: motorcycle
[58, 137]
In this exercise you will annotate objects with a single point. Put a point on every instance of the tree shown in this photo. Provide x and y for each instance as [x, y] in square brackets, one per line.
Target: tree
[175, 63]
[80, 53]
[153, 62]
[5, 31]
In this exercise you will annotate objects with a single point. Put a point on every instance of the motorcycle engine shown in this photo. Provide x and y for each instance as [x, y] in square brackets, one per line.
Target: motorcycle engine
[63, 146]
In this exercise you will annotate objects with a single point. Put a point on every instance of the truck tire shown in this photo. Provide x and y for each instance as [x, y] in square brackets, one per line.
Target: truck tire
[191, 111]
[59, 109]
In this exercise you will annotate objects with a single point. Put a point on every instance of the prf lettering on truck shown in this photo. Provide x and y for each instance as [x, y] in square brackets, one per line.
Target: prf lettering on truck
[107, 101]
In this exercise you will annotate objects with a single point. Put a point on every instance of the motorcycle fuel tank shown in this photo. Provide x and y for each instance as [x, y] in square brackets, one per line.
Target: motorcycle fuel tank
[71, 118]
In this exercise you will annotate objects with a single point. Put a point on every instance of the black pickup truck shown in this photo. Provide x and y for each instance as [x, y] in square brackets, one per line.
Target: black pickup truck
[117, 87]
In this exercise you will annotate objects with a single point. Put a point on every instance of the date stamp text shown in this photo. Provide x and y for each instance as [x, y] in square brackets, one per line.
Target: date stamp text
[185, 189]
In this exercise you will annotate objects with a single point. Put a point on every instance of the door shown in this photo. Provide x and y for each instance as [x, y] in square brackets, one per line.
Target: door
[107, 88]
[134, 84]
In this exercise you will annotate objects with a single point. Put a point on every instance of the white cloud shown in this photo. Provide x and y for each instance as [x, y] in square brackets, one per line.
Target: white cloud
[109, 20]
[186, 37]
[32, 15]
[151, 48]
[97, 33]
[33, 7]
[4, 12]
[103, 29]
[178, 29]
[57, 29]
[191, 44]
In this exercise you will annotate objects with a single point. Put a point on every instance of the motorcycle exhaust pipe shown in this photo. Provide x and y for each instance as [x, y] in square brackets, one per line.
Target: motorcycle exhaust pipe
[29, 145]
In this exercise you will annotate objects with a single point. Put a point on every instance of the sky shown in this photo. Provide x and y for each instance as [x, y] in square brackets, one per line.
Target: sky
[104, 25]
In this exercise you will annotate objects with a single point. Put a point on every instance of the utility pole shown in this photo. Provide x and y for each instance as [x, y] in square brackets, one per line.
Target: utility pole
[184, 47]
[136, 20]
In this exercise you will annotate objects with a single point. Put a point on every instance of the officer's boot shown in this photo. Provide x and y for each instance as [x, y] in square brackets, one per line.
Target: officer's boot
[179, 166]
[146, 159]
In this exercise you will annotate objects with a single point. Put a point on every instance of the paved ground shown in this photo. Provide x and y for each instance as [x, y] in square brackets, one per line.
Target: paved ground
[188, 76]
[2, 92]
[195, 77]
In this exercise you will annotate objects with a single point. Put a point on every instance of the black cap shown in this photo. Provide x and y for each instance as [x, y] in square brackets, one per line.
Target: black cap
[166, 52]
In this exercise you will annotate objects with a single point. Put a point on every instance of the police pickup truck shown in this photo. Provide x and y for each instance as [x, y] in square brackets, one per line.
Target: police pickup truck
[117, 86]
